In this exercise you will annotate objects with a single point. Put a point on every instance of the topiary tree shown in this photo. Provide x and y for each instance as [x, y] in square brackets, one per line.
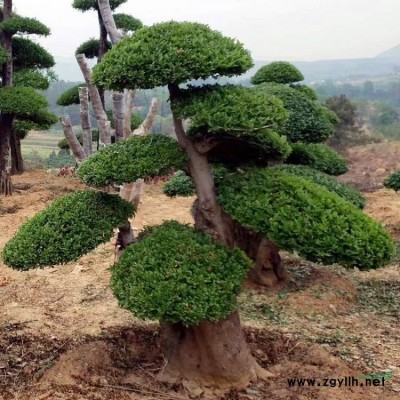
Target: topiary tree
[23, 62]
[277, 72]
[188, 278]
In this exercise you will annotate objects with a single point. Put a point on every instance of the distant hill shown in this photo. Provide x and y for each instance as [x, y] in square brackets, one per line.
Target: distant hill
[392, 53]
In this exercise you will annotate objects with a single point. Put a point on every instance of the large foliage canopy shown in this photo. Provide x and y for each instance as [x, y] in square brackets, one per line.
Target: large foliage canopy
[70, 227]
[179, 274]
[24, 25]
[170, 53]
[301, 216]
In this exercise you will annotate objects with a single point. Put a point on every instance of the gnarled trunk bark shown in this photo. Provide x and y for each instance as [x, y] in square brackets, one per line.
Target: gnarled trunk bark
[210, 353]
[17, 162]
[6, 121]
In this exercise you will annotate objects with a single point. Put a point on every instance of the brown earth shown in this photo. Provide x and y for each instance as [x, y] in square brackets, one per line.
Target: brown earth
[63, 336]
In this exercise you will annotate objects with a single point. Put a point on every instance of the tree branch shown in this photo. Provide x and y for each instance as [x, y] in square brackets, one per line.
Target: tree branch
[73, 142]
[129, 97]
[144, 129]
[85, 120]
[101, 116]
[118, 114]
[109, 23]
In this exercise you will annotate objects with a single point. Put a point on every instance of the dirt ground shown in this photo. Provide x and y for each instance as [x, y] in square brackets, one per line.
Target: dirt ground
[63, 336]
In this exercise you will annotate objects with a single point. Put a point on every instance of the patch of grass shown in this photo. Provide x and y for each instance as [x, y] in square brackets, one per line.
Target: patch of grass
[380, 297]
[333, 340]
[260, 308]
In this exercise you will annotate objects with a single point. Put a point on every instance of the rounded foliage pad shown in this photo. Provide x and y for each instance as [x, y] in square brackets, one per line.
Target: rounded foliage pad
[277, 72]
[28, 54]
[179, 184]
[178, 274]
[307, 120]
[70, 96]
[21, 100]
[301, 216]
[90, 48]
[330, 183]
[229, 109]
[138, 157]
[170, 53]
[86, 5]
[70, 227]
[318, 156]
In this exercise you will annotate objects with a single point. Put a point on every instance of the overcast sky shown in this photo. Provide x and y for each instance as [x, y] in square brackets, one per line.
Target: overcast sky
[302, 30]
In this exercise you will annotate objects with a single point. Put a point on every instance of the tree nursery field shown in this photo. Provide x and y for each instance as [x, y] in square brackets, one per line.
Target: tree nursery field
[63, 336]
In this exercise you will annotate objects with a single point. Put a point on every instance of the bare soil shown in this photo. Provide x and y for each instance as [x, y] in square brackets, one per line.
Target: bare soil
[63, 336]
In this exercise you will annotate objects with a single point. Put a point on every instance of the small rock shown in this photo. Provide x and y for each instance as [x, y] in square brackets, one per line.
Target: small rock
[193, 388]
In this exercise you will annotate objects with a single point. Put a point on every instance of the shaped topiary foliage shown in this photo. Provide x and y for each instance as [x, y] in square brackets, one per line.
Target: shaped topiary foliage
[393, 181]
[70, 227]
[21, 100]
[307, 121]
[138, 157]
[277, 72]
[320, 178]
[179, 185]
[90, 48]
[86, 5]
[31, 78]
[127, 23]
[317, 156]
[301, 216]
[24, 25]
[222, 109]
[235, 114]
[28, 54]
[176, 273]
[189, 51]
[307, 90]
[70, 96]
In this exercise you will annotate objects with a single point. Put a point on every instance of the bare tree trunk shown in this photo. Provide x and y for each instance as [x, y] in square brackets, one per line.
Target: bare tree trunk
[102, 49]
[101, 116]
[118, 114]
[108, 20]
[17, 162]
[129, 97]
[73, 142]
[214, 354]
[85, 121]
[146, 125]
[6, 120]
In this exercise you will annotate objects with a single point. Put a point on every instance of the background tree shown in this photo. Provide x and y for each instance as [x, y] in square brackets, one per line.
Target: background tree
[22, 61]
[348, 129]
[185, 277]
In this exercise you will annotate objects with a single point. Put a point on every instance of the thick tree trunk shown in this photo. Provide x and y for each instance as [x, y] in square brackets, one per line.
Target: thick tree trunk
[72, 140]
[118, 114]
[17, 162]
[211, 218]
[102, 49]
[212, 354]
[146, 125]
[85, 121]
[101, 116]
[108, 20]
[6, 120]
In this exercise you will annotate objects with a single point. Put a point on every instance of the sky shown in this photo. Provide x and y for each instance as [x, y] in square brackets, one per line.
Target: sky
[293, 30]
